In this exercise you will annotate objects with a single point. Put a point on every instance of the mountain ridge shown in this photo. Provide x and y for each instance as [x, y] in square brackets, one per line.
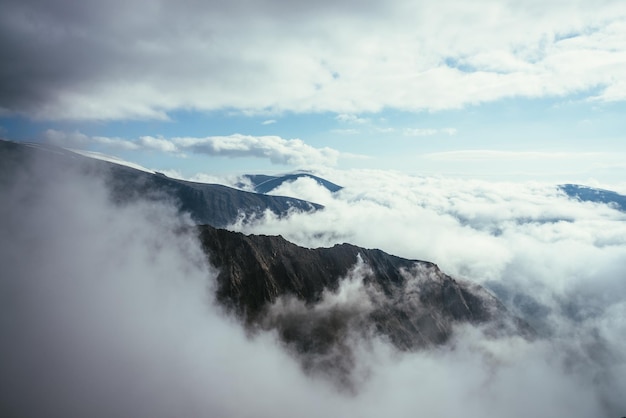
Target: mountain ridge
[262, 183]
[212, 204]
[275, 285]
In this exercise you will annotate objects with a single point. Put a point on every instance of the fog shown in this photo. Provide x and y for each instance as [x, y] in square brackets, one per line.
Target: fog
[108, 310]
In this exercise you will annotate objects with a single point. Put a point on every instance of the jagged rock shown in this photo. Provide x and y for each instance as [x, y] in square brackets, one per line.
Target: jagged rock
[274, 284]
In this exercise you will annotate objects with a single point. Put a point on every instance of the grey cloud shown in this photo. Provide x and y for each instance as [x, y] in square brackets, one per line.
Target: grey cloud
[142, 59]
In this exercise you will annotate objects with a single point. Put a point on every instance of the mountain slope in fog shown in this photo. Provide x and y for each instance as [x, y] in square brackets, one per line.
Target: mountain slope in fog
[211, 204]
[317, 299]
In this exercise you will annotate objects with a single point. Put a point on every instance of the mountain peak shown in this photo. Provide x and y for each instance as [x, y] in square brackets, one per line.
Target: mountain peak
[262, 183]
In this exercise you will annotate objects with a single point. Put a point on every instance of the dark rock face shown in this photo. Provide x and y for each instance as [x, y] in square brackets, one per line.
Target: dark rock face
[210, 204]
[318, 299]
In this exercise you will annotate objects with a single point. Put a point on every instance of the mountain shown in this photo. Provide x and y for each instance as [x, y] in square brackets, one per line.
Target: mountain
[265, 184]
[211, 204]
[318, 299]
[590, 194]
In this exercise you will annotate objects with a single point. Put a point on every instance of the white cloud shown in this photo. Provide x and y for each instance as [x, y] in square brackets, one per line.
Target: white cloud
[109, 314]
[269, 122]
[557, 262]
[521, 235]
[275, 148]
[77, 139]
[352, 119]
[405, 55]
[158, 144]
[429, 131]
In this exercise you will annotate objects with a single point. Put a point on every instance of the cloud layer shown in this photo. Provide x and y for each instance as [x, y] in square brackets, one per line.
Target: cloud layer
[139, 59]
[107, 309]
[558, 263]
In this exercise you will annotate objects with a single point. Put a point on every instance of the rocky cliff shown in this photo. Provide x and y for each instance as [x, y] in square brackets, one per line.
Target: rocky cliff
[318, 300]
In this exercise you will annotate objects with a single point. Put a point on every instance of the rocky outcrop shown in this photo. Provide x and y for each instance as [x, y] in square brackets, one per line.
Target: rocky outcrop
[318, 299]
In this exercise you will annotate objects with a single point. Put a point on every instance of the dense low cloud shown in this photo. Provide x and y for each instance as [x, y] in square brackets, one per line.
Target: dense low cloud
[140, 59]
[107, 309]
[557, 262]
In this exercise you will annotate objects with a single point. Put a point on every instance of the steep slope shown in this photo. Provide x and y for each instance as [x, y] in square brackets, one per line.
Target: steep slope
[211, 204]
[317, 299]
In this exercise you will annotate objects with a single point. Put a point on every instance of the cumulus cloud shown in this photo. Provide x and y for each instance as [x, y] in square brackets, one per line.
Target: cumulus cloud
[352, 119]
[274, 148]
[159, 144]
[107, 310]
[77, 139]
[291, 57]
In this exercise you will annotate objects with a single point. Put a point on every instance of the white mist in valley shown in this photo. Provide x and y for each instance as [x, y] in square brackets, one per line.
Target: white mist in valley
[108, 310]
[557, 262]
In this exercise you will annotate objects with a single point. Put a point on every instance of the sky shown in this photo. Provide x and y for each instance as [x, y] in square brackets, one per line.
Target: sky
[492, 89]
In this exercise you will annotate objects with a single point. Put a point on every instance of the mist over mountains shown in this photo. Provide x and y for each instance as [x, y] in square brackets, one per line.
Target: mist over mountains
[114, 304]
[211, 204]
[318, 299]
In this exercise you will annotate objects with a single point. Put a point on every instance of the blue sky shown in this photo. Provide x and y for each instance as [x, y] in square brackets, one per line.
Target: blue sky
[498, 90]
